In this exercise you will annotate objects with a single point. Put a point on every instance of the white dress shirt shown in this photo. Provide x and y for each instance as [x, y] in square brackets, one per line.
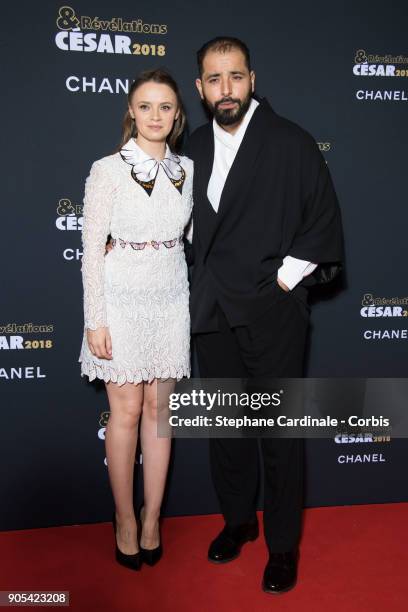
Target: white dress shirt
[226, 146]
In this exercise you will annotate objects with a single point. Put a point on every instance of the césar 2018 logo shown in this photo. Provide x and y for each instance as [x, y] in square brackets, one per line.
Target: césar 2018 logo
[104, 36]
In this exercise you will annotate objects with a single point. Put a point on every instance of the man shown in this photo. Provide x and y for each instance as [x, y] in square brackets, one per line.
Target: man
[266, 225]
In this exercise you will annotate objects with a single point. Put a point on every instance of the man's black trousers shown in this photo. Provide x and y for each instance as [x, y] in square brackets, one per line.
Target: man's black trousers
[271, 346]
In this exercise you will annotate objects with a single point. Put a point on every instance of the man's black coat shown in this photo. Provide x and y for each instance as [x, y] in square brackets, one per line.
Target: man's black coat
[278, 200]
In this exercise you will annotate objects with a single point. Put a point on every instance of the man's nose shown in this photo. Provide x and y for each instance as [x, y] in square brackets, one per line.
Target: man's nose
[226, 86]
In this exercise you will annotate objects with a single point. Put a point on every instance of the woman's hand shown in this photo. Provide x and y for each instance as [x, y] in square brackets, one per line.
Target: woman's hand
[108, 247]
[99, 342]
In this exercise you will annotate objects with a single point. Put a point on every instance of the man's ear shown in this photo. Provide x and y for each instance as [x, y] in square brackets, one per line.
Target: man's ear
[252, 75]
[199, 86]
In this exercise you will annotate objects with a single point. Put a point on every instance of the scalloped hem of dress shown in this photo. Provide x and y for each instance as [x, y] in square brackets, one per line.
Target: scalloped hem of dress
[107, 374]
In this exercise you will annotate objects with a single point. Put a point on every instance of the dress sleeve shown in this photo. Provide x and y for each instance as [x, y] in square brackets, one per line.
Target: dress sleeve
[98, 204]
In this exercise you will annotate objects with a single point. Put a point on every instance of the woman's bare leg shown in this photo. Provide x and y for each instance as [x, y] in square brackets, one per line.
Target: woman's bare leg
[156, 454]
[120, 442]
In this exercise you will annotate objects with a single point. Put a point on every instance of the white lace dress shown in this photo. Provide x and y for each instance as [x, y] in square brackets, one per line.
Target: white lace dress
[139, 290]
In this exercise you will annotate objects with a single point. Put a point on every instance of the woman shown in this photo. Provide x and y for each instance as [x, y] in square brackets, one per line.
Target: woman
[137, 326]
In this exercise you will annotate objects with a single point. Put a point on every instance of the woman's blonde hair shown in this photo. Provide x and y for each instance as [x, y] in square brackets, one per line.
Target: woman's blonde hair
[154, 76]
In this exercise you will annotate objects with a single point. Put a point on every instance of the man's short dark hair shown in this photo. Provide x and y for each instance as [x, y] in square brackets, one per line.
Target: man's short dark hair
[222, 44]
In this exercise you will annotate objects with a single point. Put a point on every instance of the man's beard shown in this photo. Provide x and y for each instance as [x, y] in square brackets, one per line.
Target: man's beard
[229, 116]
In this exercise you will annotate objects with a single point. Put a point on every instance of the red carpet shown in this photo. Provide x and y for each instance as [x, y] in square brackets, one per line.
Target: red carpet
[352, 558]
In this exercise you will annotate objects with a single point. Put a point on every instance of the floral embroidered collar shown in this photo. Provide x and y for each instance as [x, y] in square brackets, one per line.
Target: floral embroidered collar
[145, 168]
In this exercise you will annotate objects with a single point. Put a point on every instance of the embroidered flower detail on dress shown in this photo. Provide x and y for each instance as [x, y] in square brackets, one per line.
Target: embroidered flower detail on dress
[139, 246]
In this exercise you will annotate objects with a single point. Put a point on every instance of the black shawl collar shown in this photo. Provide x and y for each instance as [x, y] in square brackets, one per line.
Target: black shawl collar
[240, 171]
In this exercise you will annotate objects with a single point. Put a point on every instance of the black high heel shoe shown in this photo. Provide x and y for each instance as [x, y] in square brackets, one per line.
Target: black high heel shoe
[153, 555]
[134, 561]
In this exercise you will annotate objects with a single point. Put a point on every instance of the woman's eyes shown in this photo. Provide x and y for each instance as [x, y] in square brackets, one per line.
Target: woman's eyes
[144, 107]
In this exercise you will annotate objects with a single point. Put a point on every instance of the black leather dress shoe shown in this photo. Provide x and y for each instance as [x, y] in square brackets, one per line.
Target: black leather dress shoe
[227, 545]
[280, 572]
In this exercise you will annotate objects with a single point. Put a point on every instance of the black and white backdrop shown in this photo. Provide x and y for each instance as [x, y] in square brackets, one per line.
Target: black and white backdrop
[338, 69]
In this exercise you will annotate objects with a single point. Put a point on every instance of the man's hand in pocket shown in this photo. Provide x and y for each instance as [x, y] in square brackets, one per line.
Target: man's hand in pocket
[282, 285]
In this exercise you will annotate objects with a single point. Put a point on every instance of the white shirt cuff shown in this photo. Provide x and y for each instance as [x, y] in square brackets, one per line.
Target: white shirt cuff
[293, 270]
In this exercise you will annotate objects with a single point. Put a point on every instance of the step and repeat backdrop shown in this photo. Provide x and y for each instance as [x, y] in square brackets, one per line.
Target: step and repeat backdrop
[338, 69]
